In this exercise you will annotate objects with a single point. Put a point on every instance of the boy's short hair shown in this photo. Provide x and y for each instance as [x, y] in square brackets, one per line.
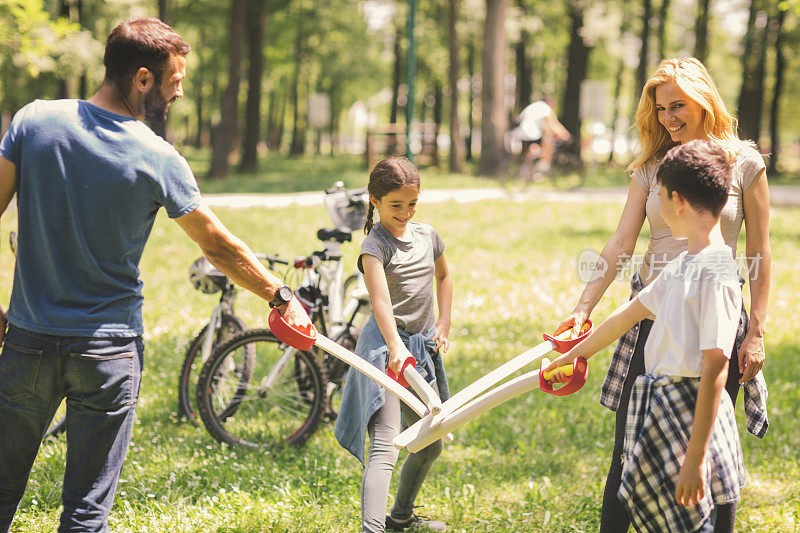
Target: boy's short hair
[700, 171]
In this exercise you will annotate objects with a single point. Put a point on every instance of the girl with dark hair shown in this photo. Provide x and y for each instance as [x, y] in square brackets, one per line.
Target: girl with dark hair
[401, 261]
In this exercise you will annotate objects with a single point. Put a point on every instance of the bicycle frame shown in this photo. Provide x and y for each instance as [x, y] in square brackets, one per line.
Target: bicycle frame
[328, 274]
[330, 281]
[226, 301]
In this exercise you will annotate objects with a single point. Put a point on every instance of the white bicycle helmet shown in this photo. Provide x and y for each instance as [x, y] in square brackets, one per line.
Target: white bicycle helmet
[205, 277]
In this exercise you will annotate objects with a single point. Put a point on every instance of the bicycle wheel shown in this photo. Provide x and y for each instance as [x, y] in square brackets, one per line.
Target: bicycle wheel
[187, 380]
[280, 402]
[59, 423]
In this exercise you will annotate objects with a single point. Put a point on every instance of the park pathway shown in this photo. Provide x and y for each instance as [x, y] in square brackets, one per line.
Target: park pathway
[780, 195]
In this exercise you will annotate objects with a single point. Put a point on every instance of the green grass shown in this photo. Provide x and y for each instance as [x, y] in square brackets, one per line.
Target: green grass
[537, 463]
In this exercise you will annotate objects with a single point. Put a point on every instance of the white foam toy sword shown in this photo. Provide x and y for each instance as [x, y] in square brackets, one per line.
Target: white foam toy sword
[467, 404]
[304, 338]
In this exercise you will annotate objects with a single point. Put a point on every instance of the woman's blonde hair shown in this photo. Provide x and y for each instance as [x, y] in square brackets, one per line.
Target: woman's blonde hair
[693, 79]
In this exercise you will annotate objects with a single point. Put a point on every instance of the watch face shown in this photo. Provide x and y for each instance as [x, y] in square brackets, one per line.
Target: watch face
[284, 293]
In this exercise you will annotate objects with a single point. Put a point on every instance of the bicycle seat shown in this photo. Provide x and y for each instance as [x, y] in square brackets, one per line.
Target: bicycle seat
[335, 234]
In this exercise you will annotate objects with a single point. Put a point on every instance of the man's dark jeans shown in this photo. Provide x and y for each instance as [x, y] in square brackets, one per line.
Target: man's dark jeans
[100, 379]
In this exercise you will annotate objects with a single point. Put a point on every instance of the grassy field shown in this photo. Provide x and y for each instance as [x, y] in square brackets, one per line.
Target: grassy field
[535, 464]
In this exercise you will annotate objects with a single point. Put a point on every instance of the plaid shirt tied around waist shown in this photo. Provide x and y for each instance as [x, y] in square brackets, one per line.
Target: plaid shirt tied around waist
[755, 390]
[657, 433]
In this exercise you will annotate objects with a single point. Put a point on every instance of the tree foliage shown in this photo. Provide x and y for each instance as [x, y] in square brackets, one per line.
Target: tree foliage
[349, 51]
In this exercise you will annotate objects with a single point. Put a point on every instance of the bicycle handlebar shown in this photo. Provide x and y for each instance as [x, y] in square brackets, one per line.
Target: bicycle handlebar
[272, 259]
[353, 195]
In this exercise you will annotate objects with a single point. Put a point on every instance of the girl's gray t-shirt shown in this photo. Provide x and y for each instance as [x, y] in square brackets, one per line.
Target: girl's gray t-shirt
[409, 268]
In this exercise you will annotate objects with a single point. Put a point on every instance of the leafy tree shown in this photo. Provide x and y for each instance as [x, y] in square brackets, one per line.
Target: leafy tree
[36, 50]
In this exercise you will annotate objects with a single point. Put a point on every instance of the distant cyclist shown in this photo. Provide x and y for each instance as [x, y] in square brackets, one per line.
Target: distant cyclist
[538, 130]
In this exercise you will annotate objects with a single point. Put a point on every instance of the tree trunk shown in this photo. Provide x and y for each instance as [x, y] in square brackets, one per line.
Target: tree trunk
[271, 112]
[333, 95]
[494, 120]
[165, 14]
[641, 71]
[662, 29]
[774, 114]
[165, 11]
[276, 121]
[615, 114]
[456, 142]
[256, 15]
[524, 74]
[752, 90]
[437, 119]
[298, 124]
[199, 100]
[701, 30]
[397, 75]
[281, 124]
[577, 61]
[471, 112]
[224, 133]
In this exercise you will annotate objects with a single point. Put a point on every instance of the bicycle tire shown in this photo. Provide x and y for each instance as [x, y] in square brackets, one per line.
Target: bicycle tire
[247, 413]
[190, 368]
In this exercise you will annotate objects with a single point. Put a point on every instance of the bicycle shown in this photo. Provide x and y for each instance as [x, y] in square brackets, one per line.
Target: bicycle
[346, 209]
[280, 395]
[222, 324]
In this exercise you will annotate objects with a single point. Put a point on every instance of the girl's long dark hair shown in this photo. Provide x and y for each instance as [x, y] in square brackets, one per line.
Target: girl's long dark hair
[389, 175]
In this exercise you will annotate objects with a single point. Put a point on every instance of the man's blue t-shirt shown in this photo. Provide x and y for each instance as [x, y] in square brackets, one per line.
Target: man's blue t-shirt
[89, 185]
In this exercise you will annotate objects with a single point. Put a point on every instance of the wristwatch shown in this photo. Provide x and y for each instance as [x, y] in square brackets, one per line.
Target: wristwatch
[282, 296]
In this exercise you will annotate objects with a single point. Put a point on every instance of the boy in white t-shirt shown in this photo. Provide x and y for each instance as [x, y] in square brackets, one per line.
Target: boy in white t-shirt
[682, 454]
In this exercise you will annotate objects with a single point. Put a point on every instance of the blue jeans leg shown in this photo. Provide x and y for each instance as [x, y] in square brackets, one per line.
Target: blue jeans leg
[102, 378]
[29, 396]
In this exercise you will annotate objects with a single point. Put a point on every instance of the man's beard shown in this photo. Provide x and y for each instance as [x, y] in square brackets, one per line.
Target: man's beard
[155, 106]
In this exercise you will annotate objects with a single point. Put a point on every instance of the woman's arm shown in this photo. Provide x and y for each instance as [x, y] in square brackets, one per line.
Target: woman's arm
[375, 278]
[611, 329]
[621, 244]
[759, 262]
[444, 300]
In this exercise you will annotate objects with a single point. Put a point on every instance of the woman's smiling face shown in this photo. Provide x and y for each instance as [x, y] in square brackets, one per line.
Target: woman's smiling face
[679, 114]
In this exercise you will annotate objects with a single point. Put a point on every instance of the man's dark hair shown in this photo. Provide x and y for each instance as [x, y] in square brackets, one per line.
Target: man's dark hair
[700, 171]
[140, 42]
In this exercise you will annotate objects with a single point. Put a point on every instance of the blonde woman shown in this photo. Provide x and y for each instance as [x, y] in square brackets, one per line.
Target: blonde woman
[679, 103]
